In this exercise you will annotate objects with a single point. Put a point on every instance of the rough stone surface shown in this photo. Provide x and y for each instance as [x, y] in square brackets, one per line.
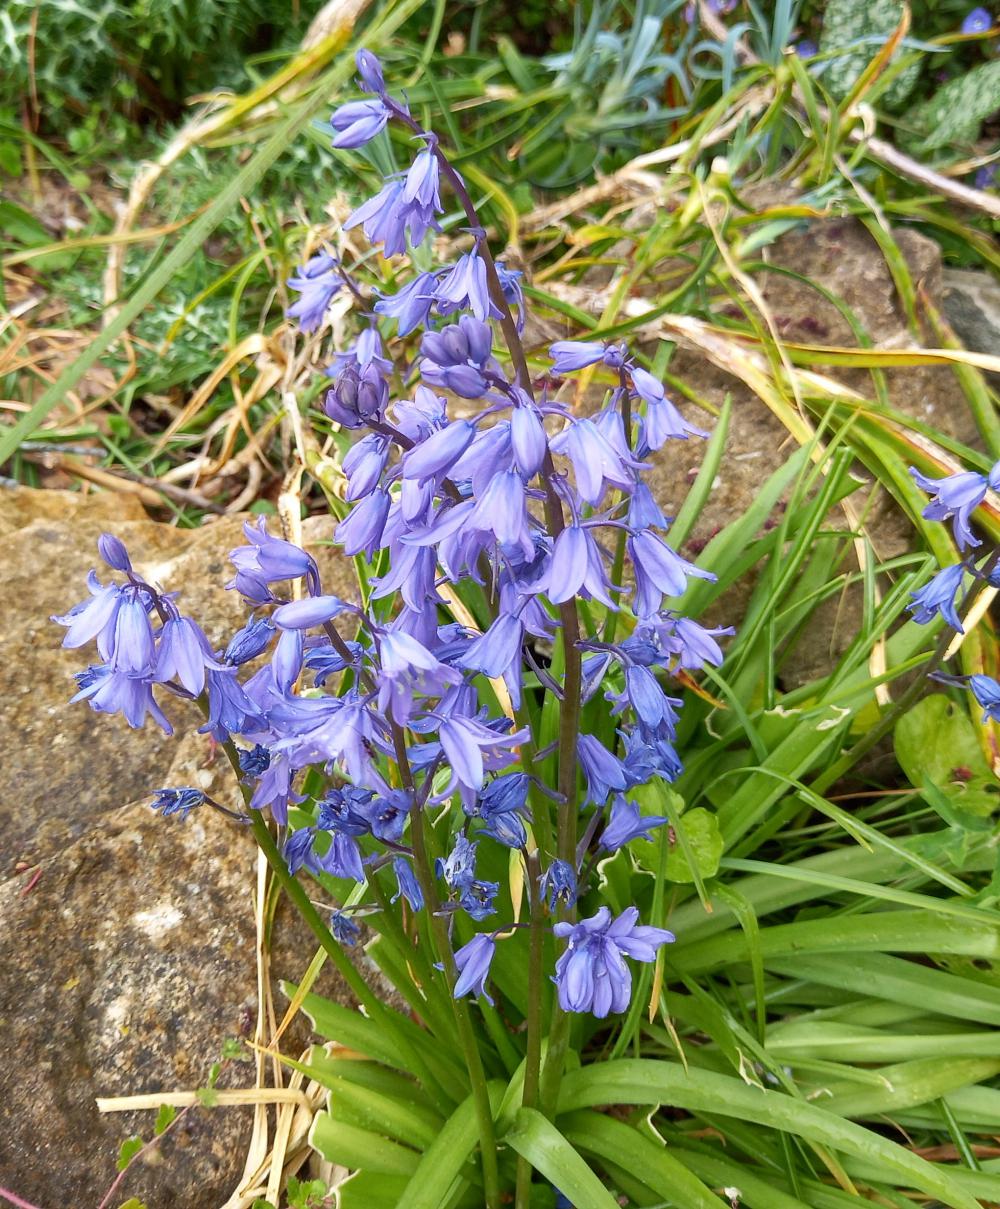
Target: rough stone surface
[971, 300]
[127, 952]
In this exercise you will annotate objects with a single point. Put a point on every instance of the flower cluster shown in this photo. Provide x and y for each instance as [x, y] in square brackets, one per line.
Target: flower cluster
[508, 493]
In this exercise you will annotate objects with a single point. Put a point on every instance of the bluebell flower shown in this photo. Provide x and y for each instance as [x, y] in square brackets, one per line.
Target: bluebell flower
[939, 596]
[360, 532]
[358, 122]
[253, 760]
[986, 176]
[182, 655]
[342, 858]
[502, 510]
[602, 770]
[286, 662]
[643, 510]
[806, 48]
[528, 440]
[977, 21]
[987, 692]
[653, 708]
[387, 814]
[469, 745]
[956, 496]
[512, 290]
[268, 560]
[477, 899]
[659, 571]
[465, 288]
[408, 668]
[591, 975]
[112, 550]
[297, 850]
[458, 868]
[692, 645]
[347, 810]
[577, 569]
[663, 421]
[597, 463]
[648, 756]
[407, 885]
[411, 305]
[345, 930]
[468, 340]
[316, 282]
[473, 962]
[324, 661]
[496, 651]
[364, 463]
[177, 801]
[94, 619]
[110, 692]
[390, 217]
[134, 652]
[570, 355]
[249, 642]
[626, 824]
[230, 710]
[438, 453]
[558, 885]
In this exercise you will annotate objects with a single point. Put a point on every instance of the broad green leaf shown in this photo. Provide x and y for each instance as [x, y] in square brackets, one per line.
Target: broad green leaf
[349, 1146]
[537, 1139]
[907, 1085]
[442, 1162]
[401, 1120]
[702, 845]
[643, 1081]
[654, 1165]
[936, 744]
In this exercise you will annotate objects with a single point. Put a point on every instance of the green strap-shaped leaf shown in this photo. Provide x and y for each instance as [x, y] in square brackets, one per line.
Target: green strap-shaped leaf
[654, 1165]
[442, 1162]
[349, 1146]
[201, 228]
[537, 1139]
[644, 1081]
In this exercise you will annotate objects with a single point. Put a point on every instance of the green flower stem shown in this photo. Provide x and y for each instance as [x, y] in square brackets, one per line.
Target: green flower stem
[439, 932]
[533, 1054]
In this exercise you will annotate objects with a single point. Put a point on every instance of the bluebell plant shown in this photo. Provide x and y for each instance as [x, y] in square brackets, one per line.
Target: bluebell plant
[412, 741]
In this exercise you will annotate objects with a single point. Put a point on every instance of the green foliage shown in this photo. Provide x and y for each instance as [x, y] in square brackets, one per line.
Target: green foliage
[953, 115]
[135, 55]
[938, 749]
[164, 1118]
[852, 33]
[128, 1150]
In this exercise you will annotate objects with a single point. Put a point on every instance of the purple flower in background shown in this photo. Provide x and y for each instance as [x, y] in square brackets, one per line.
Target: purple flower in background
[956, 496]
[806, 48]
[977, 21]
[473, 962]
[939, 596]
[317, 282]
[986, 177]
[370, 71]
[591, 975]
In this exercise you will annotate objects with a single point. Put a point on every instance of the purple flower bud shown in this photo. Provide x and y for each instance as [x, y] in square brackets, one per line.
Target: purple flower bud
[287, 661]
[251, 641]
[473, 964]
[364, 463]
[370, 71]
[528, 440]
[463, 380]
[570, 355]
[113, 551]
